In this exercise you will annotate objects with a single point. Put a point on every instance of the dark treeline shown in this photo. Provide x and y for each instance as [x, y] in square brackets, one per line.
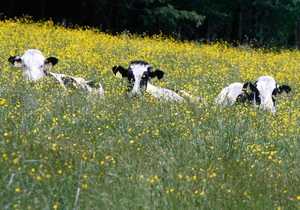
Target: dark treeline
[257, 22]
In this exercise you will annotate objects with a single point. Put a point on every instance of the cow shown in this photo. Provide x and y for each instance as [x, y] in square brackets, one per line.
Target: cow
[66, 80]
[262, 92]
[267, 88]
[237, 93]
[34, 65]
[138, 74]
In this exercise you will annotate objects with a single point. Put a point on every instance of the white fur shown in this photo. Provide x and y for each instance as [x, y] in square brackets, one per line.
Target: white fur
[33, 65]
[228, 95]
[265, 86]
[138, 71]
[158, 92]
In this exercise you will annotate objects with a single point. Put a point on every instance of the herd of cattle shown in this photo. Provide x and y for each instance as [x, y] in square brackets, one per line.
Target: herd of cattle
[262, 92]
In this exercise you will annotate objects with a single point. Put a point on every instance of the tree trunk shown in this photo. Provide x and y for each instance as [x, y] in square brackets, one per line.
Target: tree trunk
[237, 26]
[208, 30]
[240, 27]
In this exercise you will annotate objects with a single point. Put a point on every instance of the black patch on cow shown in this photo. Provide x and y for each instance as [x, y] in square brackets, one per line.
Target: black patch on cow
[279, 90]
[157, 73]
[46, 73]
[93, 84]
[249, 97]
[274, 93]
[129, 87]
[144, 79]
[68, 80]
[51, 60]
[176, 91]
[130, 77]
[285, 88]
[120, 69]
[139, 62]
[255, 94]
[130, 74]
[13, 59]
[241, 98]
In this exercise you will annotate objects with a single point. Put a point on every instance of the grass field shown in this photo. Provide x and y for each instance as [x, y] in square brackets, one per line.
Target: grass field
[71, 150]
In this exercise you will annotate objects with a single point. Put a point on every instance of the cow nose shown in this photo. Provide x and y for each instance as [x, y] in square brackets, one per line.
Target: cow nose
[269, 106]
[135, 93]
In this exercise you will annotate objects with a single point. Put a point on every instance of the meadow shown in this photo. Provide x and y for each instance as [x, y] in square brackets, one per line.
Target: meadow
[73, 150]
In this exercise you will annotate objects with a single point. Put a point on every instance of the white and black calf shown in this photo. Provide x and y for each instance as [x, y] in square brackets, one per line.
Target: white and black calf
[138, 74]
[263, 92]
[34, 66]
[267, 88]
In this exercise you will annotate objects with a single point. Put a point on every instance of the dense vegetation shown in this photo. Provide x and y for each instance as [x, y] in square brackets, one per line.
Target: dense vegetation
[71, 150]
[263, 22]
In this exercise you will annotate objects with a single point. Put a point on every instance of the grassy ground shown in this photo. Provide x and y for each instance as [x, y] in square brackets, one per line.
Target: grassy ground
[71, 150]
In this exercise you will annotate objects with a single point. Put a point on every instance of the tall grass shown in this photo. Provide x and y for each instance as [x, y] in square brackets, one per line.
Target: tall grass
[71, 150]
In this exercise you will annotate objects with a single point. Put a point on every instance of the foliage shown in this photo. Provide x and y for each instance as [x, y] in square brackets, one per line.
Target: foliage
[70, 150]
[263, 23]
[171, 18]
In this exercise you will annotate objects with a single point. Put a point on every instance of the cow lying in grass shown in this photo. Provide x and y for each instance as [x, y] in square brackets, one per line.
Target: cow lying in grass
[139, 73]
[263, 92]
[34, 65]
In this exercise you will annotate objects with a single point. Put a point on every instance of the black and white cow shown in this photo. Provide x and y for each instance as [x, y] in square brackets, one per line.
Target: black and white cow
[263, 93]
[138, 74]
[34, 65]
[267, 88]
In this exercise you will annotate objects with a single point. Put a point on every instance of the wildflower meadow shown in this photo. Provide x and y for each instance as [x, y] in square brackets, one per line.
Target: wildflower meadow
[74, 150]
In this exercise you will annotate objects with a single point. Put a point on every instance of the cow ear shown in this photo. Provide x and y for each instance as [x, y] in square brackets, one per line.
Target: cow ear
[285, 88]
[15, 60]
[119, 71]
[246, 86]
[249, 85]
[254, 89]
[51, 60]
[157, 73]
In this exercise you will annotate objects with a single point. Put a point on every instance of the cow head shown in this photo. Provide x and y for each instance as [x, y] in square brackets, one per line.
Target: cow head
[33, 64]
[264, 92]
[138, 75]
